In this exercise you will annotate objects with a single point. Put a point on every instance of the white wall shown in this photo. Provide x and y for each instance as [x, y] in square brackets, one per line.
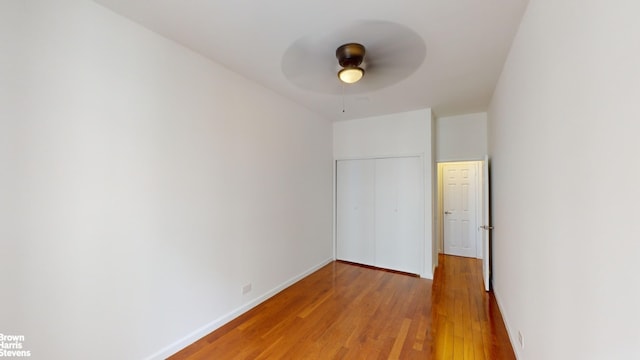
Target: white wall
[563, 135]
[142, 186]
[402, 134]
[462, 137]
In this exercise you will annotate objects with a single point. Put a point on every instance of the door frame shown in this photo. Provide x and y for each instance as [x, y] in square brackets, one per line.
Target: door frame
[486, 224]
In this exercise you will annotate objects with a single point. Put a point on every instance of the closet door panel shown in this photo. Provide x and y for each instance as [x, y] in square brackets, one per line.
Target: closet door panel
[355, 211]
[399, 223]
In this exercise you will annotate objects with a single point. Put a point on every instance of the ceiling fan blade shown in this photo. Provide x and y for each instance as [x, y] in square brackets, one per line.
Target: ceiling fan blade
[310, 63]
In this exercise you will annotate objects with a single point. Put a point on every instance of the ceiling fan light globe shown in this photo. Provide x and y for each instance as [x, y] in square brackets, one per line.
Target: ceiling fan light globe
[351, 75]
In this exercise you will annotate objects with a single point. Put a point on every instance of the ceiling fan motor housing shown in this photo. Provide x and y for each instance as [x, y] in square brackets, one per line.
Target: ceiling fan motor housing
[350, 55]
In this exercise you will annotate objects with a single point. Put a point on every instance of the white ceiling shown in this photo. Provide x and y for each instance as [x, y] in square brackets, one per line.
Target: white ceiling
[466, 44]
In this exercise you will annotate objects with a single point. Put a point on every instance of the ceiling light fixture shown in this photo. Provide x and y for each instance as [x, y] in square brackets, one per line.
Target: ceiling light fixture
[351, 75]
[350, 57]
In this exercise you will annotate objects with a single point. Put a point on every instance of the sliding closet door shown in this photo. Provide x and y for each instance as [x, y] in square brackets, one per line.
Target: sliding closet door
[399, 213]
[355, 210]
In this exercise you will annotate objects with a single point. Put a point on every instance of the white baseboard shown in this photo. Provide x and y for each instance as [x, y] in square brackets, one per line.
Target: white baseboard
[514, 343]
[217, 323]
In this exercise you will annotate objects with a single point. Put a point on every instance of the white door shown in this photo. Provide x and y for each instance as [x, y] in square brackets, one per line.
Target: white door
[460, 200]
[380, 212]
[355, 211]
[486, 226]
[399, 214]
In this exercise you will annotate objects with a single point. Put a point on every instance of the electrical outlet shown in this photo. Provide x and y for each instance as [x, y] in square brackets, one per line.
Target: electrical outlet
[521, 339]
[246, 288]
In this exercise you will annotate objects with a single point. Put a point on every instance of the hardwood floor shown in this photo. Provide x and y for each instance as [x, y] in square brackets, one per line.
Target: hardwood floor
[345, 311]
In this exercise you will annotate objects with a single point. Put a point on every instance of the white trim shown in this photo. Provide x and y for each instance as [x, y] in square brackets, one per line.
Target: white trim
[438, 222]
[333, 208]
[479, 210]
[387, 156]
[512, 339]
[460, 159]
[219, 322]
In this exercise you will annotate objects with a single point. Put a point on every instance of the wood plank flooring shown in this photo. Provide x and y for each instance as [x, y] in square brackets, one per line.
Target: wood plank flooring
[345, 311]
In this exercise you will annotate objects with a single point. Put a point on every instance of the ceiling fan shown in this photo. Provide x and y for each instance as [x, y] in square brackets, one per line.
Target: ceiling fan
[386, 51]
[350, 57]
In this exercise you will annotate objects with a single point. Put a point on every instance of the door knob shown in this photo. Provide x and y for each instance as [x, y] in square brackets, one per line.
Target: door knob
[448, 212]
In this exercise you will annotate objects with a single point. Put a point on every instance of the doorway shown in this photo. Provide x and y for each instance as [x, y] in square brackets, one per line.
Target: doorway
[481, 230]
